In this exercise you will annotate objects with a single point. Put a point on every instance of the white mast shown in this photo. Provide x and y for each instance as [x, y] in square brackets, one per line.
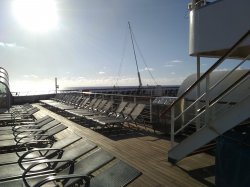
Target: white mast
[138, 73]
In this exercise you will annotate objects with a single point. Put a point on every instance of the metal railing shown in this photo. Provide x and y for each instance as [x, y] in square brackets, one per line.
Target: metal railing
[5, 94]
[198, 107]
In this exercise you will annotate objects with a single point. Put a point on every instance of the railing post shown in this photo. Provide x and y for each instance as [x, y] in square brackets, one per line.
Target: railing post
[198, 93]
[207, 99]
[150, 109]
[172, 126]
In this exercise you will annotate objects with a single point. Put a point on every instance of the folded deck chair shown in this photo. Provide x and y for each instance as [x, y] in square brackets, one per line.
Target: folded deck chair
[31, 141]
[16, 170]
[21, 132]
[11, 158]
[26, 125]
[82, 168]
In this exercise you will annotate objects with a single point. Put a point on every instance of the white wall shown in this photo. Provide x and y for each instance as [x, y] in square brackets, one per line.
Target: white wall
[218, 26]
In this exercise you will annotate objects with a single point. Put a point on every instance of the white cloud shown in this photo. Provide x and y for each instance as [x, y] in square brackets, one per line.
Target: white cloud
[172, 73]
[177, 61]
[168, 65]
[173, 63]
[147, 69]
[101, 72]
[10, 45]
[32, 76]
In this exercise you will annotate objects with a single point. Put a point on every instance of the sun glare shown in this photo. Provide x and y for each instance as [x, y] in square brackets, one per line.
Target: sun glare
[36, 15]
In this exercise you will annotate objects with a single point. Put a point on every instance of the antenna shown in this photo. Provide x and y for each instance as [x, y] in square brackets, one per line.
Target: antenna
[138, 73]
[56, 85]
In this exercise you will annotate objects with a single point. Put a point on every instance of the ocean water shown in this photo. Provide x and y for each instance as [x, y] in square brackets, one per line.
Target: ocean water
[99, 88]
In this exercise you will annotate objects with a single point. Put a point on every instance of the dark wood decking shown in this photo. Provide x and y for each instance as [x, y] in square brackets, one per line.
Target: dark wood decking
[148, 153]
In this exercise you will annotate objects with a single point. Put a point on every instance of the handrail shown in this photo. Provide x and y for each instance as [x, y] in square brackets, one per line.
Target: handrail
[203, 76]
[211, 103]
[228, 89]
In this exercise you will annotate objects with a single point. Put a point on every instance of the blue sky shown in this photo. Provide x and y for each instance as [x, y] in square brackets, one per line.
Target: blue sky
[91, 41]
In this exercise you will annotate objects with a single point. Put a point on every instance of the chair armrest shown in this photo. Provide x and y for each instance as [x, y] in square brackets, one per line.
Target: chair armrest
[22, 158]
[65, 177]
[28, 130]
[19, 143]
[27, 172]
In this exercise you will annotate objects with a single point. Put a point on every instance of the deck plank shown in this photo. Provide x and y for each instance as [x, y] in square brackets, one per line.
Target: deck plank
[147, 153]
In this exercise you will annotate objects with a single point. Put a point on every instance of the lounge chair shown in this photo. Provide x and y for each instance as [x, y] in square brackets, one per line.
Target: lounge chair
[82, 168]
[52, 103]
[119, 174]
[118, 110]
[16, 115]
[11, 158]
[34, 124]
[123, 114]
[104, 111]
[127, 116]
[99, 105]
[40, 140]
[74, 103]
[24, 132]
[16, 170]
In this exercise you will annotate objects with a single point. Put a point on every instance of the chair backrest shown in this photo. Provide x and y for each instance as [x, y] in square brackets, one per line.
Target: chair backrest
[128, 109]
[53, 131]
[92, 102]
[84, 102]
[101, 105]
[77, 100]
[96, 104]
[49, 126]
[137, 111]
[121, 106]
[107, 107]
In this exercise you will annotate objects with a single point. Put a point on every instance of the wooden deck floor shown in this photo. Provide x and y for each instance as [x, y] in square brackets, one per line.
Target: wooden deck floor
[148, 153]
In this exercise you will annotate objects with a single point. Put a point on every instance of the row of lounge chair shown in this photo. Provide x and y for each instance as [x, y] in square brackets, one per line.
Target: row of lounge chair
[18, 114]
[31, 155]
[96, 113]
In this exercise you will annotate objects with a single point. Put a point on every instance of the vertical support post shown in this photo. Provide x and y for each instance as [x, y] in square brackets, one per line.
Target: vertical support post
[207, 100]
[172, 126]
[56, 85]
[198, 92]
[150, 110]
[134, 99]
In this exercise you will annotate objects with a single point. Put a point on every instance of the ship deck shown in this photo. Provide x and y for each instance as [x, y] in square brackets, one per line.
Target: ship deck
[147, 152]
